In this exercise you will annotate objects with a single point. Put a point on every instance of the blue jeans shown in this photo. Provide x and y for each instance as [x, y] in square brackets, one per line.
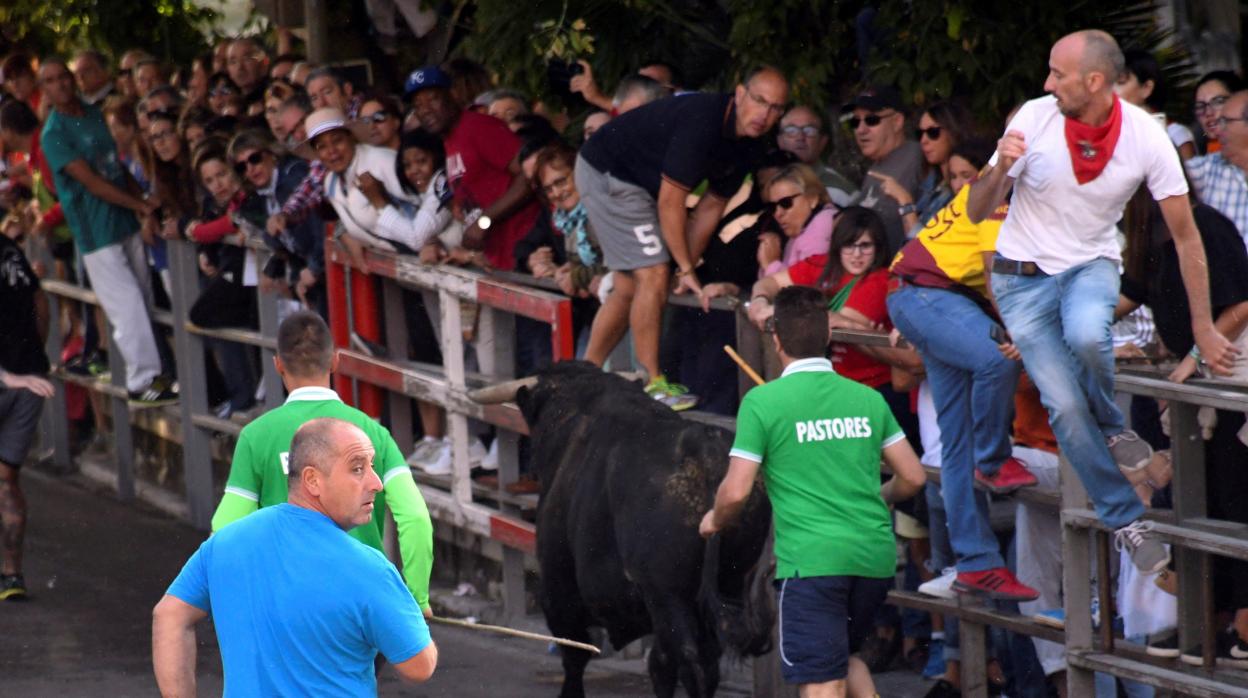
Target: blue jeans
[973, 389]
[1107, 685]
[1060, 323]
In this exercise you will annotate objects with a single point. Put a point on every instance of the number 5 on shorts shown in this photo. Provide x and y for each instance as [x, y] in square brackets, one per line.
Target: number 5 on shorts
[651, 244]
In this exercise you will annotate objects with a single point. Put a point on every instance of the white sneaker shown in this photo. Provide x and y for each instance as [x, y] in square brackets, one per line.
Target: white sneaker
[425, 452]
[942, 586]
[490, 462]
[477, 454]
[442, 464]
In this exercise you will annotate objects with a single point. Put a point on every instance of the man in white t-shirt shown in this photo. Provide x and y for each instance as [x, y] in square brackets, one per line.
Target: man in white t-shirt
[1073, 159]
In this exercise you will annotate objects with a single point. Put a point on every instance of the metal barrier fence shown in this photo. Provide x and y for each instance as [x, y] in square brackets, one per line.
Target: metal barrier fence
[494, 514]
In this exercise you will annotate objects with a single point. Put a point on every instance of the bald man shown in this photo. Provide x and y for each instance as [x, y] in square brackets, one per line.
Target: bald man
[1073, 159]
[634, 176]
[300, 607]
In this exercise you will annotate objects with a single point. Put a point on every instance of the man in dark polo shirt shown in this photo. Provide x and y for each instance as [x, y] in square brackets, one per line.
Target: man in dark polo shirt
[634, 176]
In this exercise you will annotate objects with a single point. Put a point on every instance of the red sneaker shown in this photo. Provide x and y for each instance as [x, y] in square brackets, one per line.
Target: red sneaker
[997, 583]
[1010, 476]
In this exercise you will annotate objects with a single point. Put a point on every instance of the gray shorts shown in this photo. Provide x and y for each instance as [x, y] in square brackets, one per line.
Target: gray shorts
[624, 217]
[19, 418]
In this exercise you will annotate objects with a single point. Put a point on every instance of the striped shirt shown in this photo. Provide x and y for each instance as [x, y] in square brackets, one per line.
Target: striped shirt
[1222, 186]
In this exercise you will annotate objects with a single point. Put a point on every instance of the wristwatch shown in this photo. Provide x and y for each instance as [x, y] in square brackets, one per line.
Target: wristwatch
[484, 222]
[903, 210]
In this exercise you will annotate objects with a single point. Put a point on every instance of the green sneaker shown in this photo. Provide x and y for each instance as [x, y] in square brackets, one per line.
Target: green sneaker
[12, 587]
[674, 395]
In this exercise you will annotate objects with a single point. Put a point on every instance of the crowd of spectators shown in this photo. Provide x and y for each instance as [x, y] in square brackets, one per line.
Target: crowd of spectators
[649, 188]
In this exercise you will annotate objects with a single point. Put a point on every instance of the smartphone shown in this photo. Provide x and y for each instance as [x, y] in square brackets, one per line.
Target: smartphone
[998, 334]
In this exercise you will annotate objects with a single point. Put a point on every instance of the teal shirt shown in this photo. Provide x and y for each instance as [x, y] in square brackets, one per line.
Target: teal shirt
[819, 438]
[94, 222]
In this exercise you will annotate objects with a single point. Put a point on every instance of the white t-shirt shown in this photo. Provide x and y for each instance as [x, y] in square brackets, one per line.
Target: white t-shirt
[1180, 135]
[1058, 223]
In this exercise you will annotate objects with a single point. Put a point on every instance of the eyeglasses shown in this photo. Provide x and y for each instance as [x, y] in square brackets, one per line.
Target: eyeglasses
[254, 159]
[1222, 121]
[375, 118]
[161, 135]
[793, 131]
[1215, 103]
[786, 202]
[556, 184]
[871, 120]
[772, 107]
[859, 248]
[221, 91]
[932, 133]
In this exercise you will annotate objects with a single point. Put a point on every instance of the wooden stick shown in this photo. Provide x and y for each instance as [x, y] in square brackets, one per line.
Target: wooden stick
[758, 380]
[515, 633]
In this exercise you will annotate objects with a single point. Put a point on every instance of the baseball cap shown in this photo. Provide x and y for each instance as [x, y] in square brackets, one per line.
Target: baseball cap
[876, 98]
[427, 76]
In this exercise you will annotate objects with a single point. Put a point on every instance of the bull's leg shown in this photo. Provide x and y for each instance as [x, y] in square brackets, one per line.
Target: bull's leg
[678, 651]
[566, 616]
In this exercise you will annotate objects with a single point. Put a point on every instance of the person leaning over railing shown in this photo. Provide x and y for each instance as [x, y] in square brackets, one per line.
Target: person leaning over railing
[273, 175]
[1152, 277]
[225, 301]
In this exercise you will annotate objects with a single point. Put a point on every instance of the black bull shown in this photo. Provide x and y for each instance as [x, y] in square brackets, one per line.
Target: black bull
[625, 482]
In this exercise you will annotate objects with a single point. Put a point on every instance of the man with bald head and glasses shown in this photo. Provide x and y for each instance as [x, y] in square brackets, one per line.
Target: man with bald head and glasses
[634, 177]
[878, 120]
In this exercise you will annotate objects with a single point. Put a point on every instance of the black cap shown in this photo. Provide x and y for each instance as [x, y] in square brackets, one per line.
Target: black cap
[876, 98]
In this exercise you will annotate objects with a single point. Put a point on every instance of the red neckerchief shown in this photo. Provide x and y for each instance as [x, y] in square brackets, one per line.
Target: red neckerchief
[1091, 147]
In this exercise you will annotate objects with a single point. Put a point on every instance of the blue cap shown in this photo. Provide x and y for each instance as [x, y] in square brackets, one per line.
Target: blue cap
[421, 78]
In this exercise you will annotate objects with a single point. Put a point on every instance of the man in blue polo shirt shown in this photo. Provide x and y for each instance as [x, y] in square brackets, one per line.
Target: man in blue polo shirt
[634, 177]
[300, 607]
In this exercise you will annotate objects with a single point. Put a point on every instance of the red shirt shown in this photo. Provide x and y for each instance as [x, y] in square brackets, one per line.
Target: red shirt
[479, 151]
[867, 297]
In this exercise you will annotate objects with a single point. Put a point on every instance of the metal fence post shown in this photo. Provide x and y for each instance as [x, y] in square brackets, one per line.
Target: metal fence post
[266, 304]
[123, 436]
[193, 384]
[55, 429]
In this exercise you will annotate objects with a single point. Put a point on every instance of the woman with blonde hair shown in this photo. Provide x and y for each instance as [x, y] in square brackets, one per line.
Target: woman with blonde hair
[802, 210]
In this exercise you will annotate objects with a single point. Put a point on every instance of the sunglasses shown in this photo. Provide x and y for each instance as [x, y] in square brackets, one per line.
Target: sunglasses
[932, 133]
[375, 118]
[871, 120]
[793, 131]
[254, 159]
[785, 203]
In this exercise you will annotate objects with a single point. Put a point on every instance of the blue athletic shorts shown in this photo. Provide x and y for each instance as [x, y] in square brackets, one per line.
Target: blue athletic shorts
[823, 620]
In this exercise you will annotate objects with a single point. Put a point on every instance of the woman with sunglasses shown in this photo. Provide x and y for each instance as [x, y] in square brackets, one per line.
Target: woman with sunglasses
[383, 116]
[273, 176]
[1212, 91]
[804, 212]
[942, 127]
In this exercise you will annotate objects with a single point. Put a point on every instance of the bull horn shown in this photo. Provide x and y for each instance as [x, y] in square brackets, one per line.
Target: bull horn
[501, 392]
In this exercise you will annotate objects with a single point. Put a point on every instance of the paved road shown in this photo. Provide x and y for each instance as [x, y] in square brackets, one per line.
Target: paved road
[96, 567]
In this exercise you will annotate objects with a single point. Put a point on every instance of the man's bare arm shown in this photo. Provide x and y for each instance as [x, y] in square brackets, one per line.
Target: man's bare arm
[420, 667]
[103, 189]
[990, 189]
[173, 646]
[706, 216]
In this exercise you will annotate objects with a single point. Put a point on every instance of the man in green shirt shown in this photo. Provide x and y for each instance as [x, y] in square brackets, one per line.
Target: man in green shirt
[818, 438]
[258, 474]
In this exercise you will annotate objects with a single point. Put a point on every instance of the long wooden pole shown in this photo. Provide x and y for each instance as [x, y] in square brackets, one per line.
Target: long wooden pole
[749, 371]
[515, 633]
